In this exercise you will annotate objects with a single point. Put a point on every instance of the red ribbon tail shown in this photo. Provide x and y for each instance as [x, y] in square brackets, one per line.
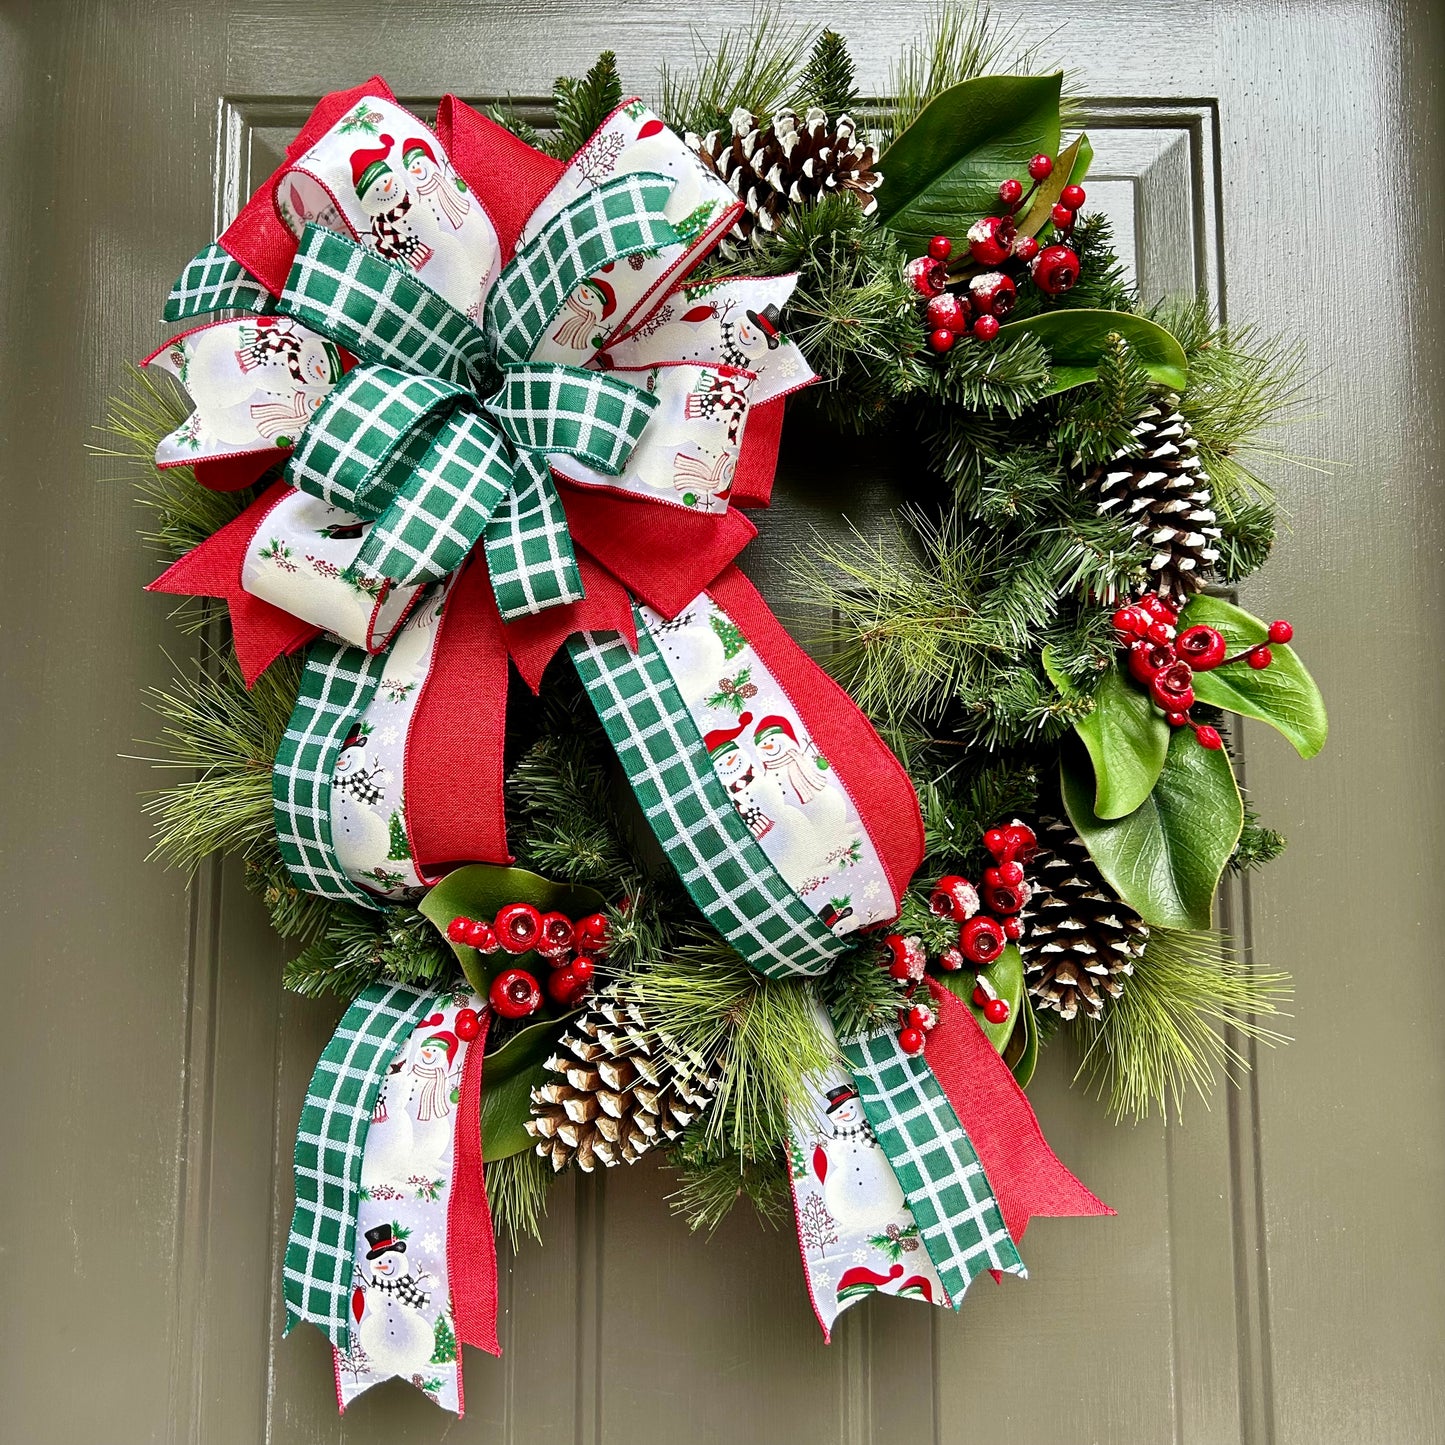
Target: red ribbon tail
[261, 632]
[605, 607]
[1028, 1178]
[471, 1243]
[758, 458]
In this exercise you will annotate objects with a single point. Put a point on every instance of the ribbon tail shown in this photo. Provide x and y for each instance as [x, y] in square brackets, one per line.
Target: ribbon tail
[529, 552]
[261, 631]
[1028, 1178]
[534, 638]
[758, 459]
[471, 1243]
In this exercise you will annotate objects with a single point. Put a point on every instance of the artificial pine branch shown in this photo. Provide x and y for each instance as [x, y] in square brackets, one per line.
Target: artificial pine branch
[755, 66]
[712, 1178]
[517, 1195]
[1257, 844]
[1169, 1030]
[828, 80]
[1246, 540]
[582, 105]
[1005, 378]
[358, 947]
[508, 118]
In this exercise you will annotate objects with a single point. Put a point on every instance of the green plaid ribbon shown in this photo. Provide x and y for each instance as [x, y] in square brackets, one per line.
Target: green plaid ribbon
[330, 1143]
[214, 281]
[338, 683]
[529, 550]
[621, 217]
[930, 1153]
[719, 861]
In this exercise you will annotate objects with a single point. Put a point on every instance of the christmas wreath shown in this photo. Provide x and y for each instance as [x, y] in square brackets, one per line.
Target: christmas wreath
[465, 401]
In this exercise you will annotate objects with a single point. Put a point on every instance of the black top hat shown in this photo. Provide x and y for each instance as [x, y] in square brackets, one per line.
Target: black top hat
[381, 1240]
[766, 321]
[839, 1095]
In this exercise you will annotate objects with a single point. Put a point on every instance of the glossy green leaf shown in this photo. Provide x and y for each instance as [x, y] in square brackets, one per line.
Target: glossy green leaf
[1006, 975]
[1022, 1054]
[506, 1106]
[1283, 694]
[1164, 859]
[1127, 739]
[943, 172]
[479, 890]
[1075, 340]
[1069, 170]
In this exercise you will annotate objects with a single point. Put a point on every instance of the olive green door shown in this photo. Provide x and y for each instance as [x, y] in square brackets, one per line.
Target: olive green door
[1275, 1272]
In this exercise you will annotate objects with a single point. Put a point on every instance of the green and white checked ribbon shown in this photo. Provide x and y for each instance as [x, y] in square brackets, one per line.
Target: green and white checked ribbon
[936, 1166]
[338, 683]
[330, 1143]
[214, 281]
[719, 861]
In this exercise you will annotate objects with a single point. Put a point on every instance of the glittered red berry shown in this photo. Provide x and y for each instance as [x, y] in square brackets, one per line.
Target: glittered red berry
[1172, 687]
[591, 933]
[991, 239]
[1025, 248]
[1013, 930]
[1280, 632]
[1208, 737]
[1147, 660]
[515, 993]
[1201, 647]
[1062, 217]
[981, 940]
[1005, 898]
[1160, 632]
[1021, 841]
[1041, 167]
[926, 276]
[1010, 192]
[996, 1011]
[1006, 875]
[911, 1041]
[1129, 623]
[992, 294]
[1158, 608]
[940, 248]
[557, 935]
[953, 897]
[986, 328]
[583, 967]
[562, 985]
[1176, 719]
[941, 340]
[947, 313]
[468, 1024]
[952, 959]
[518, 927]
[1072, 196]
[1054, 270]
[457, 929]
[480, 936]
[980, 995]
[1259, 658]
[920, 1016]
[994, 841]
[906, 958]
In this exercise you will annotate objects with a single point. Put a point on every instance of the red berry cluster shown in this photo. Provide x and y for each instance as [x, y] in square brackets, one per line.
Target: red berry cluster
[571, 948]
[981, 938]
[994, 242]
[1163, 660]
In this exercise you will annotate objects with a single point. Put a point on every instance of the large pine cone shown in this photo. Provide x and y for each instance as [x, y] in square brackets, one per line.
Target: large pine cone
[1159, 487]
[623, 1086]
[786, 163]
[1079, 941]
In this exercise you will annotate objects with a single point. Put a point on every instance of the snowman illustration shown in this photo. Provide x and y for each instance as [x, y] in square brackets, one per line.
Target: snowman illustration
[388, 1308]
[738, 774]
[386, 200]
[800, 766]
[746, 342]
[703, 480]
[583, 315]
[390, 1141]
[438, 184]
[859, 1187]
[431, 1106]
[359, 810]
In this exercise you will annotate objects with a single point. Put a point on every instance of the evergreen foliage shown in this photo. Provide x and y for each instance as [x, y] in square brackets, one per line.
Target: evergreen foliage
[582, 105]
[828, 79]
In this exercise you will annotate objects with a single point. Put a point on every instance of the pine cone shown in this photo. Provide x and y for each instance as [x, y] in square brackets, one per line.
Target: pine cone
[624, 1086]
[787, 163]
[1079, 941]
[1159, 487]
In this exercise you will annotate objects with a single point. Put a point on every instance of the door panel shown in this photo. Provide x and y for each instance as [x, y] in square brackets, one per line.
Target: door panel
[1272, 1274]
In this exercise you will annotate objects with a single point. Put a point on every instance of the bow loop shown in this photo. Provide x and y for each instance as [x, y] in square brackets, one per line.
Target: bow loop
[620, 218]
[549, 407]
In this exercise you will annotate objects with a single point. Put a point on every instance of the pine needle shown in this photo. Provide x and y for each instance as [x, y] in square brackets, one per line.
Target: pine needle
[1169, 1030]
[582, 105]
[517, 1193]
[712, 1178]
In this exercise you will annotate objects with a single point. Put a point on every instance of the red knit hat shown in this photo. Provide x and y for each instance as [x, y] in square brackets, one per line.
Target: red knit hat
[368, 166]
[775, 724]
[720, 738]
[415, 144]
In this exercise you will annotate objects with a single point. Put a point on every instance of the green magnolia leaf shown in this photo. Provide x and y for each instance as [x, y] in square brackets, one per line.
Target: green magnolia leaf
[1022, 1054]
[1069, 170]
[506, 1106]
[1075, 340]
[1006, 974]
[1283, 694]
[479, 890]
[1127, 739]
[1165, 858]
[943, 172]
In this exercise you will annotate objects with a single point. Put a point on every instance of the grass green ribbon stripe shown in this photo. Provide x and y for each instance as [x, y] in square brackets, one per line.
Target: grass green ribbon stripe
[381, 312]
[934, 1161]
[214, 281]
[719, 861]
[338, 683]
[549, 407]
[330, 1144]
[621, 217]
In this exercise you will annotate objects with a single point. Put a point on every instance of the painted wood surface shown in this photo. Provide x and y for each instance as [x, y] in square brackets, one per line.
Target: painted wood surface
[1274, 1275]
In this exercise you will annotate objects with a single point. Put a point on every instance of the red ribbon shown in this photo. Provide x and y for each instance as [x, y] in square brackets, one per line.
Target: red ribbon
[471, 1243]
[1028, 1178]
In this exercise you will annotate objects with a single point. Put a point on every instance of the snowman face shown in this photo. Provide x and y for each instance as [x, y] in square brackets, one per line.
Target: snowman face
[430, 1055]
[352, 761]
[846, 1114]
[750, 339]
[419, 167]
[390, 1265]
[315, 362]
[773, 745]
[730, 764]
[382, 194]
